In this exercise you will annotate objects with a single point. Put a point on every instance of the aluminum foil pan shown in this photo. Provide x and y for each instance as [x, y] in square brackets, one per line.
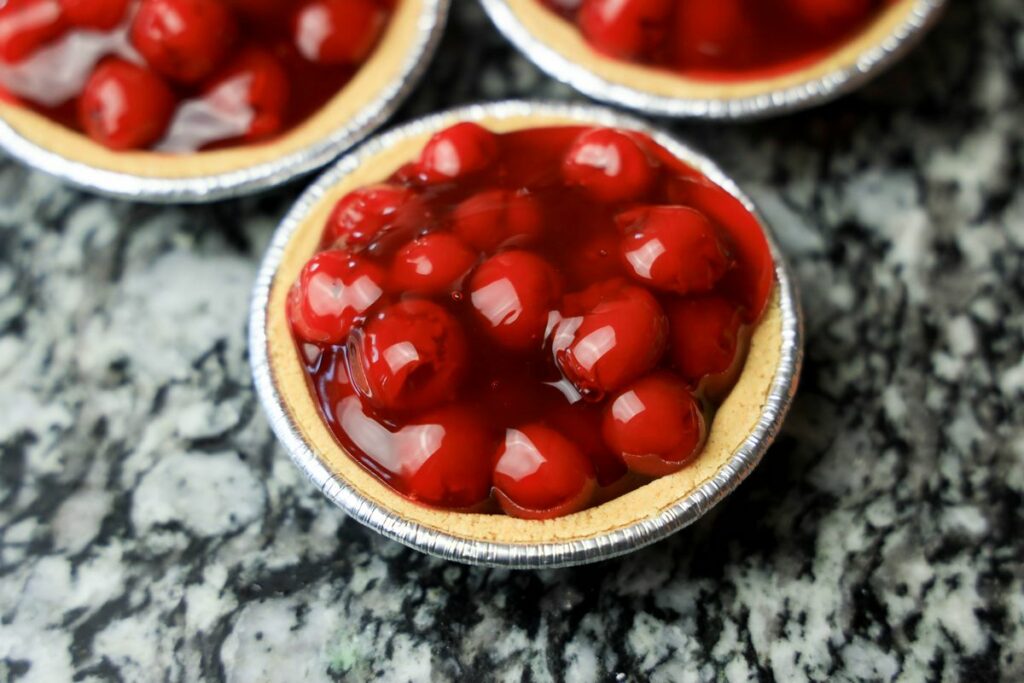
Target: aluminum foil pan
[554, 554]
[868, 65]
[196, 189]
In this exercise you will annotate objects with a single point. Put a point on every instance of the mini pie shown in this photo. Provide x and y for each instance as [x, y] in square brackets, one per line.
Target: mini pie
[363, 318]
[604, 53]
[341, 54]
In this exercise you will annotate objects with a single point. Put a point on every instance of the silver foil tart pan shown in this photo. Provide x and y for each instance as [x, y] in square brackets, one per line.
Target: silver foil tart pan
[441, 542]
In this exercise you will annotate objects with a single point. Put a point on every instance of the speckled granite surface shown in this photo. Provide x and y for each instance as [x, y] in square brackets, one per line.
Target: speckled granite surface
[151, 529]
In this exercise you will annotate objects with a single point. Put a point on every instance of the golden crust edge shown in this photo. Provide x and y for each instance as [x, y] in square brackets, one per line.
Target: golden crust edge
[562, 37]
[735, 420]
[369, 82]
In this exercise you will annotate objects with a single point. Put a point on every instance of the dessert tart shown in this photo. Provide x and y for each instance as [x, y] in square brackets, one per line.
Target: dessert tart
[525, 335]
[197, 100]
[713, 58]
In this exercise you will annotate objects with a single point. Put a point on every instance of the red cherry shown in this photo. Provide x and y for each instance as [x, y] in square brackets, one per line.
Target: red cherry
[708, 32]
[655, 424]
[581, 424]
[125, 106]
[363, 213]
[704, 336]
[539, 474]
[432, 264]
[338, 31]
[333, 291]
[99, 14]
[495, 218]
[409, 357]
[624, 29]
[597, 259]
[252, 84]
[673, 248]
[27, 25]
[458, 151]
[512, 294]
[619, 332]
[831, 16]
[184, 40]
[610, 165]
[445, 458]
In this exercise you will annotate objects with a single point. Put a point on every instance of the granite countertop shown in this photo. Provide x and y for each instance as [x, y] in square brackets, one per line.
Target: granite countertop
[151, 528]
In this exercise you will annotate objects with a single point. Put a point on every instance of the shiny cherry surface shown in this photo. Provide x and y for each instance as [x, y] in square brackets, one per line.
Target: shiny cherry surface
[481, 373]
[335, 288]
[240, 72]
[125, 106]
[719, 39]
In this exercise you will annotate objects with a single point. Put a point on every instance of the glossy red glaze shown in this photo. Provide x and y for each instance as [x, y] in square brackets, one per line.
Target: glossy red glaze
[410, 357]
[672, 248]
[338, 31]
[237, 75]
[540, 474]
[721, 40]
[550, 325]
[655, 424]
[432, 264]
[27, 25]
[610, 165]
[499, 218]
[185, 40]
[335, 289]
[95, 14]
[512, 295]
[125, 106]
[704, 336]
[253, 84]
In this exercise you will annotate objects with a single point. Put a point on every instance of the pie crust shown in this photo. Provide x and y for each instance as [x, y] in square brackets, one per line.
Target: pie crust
[369, 82]
[565, 39]
[735, 420]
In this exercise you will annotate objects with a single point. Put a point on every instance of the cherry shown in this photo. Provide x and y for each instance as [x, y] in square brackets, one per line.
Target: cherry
[461, 150]
[655, 424]
[496, 218]
[95, 14]
[27, 25]
[539, 474]
[596, 259]
[125, 106]
[253, 84]
[512, 294]
[409, 357]
[617, 334]
[444, 457]
[363, 213]
[432, 264]
[185, 40]
[710, 31]
[704, 336]
[673, 248]
[581, 424]
[610, 165]
[333, 291]
[625, 29]
[829, 16]
[338, 31]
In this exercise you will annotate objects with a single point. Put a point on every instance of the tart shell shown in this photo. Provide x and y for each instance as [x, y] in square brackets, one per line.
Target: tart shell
[638, 517]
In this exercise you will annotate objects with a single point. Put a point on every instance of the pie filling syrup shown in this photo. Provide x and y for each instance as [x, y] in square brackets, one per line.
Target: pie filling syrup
[179, 76]
[533, 322]
[719, 39]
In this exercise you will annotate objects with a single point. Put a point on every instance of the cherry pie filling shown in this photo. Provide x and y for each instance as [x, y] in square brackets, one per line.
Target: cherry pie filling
[179, 76]
[532, 322]
[719, 39]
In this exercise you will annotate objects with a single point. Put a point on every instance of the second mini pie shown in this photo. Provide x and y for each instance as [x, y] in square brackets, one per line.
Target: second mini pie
[522, 329]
